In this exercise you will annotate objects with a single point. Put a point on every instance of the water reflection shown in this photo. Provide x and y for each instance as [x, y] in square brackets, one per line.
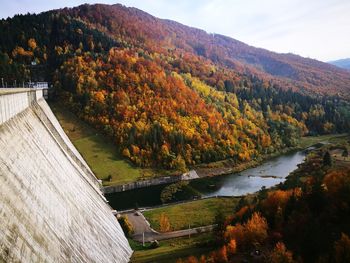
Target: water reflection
[251, 180]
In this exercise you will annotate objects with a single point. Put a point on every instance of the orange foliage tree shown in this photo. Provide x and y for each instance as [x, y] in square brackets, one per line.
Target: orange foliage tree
[280, 254]
[164, 223]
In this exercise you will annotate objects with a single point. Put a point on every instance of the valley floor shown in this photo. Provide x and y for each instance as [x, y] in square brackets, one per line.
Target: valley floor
[105, 161]
[180, 215]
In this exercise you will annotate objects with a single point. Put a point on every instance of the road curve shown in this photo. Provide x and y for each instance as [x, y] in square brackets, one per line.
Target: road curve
[142, 227]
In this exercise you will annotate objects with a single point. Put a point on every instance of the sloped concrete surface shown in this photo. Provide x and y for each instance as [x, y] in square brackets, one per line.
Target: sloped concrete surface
[51, 209]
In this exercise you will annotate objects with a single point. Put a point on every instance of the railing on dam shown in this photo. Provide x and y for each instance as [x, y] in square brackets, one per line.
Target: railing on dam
[30, 84]
[41, 85]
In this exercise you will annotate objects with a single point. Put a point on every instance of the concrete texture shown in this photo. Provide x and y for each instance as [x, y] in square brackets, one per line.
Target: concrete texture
[51, 207]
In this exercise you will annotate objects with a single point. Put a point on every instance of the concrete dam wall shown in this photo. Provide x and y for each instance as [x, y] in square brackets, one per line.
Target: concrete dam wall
[51, 206]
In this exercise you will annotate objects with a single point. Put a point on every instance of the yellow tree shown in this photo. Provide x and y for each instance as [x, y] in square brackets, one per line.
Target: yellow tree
[32, 44]
[164, 223]
[256, 229]
[232, 247]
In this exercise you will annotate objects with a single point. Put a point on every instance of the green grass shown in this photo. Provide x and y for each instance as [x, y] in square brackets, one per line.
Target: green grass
[104, 160]
[173, 249]
[312, 140]
[102, 156]
[196, 213]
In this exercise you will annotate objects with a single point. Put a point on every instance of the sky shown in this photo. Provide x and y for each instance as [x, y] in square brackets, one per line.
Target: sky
[317, 29]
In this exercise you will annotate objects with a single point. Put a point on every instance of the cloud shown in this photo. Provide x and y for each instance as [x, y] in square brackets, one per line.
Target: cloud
[313, 28]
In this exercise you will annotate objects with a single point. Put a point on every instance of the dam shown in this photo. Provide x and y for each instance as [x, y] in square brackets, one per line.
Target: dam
[51, 205]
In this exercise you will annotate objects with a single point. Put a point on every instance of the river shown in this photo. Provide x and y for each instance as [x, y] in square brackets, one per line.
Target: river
[268, 174]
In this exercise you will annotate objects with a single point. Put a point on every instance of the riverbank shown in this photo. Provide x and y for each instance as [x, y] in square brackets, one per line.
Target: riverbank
[118, 175]
[269, 173]
[308, 171]
[228, 166]
[219, 168]
[202, 212]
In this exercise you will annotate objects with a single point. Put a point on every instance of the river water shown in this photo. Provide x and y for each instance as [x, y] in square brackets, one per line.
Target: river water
[268, 174]
[251, 180]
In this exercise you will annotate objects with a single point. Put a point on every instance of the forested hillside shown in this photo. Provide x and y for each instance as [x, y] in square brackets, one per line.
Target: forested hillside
[169, 95]
[304, 219]
[290, 71]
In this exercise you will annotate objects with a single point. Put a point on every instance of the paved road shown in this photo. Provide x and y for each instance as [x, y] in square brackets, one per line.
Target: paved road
[141, 225]
[150, 236]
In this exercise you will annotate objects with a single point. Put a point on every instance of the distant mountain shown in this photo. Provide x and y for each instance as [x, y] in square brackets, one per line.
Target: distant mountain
[341, 63]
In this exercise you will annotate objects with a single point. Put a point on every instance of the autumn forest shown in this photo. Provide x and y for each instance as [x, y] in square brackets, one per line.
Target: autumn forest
[171, 97]
[164, 98]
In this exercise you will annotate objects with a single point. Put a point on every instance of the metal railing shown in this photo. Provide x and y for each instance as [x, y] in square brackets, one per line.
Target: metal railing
[33, 85]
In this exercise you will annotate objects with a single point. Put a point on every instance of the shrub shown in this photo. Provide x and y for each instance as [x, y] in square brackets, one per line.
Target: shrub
[154, 244]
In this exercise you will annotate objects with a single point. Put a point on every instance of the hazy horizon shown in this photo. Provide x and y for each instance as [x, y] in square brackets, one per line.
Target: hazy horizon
[313, 29]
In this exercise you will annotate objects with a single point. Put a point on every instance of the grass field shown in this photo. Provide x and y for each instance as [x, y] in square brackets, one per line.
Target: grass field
[196, 213]
[102, 157]
[171, 250]
[312, 140]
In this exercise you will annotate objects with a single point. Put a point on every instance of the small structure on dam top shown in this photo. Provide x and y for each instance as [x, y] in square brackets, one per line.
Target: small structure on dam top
[51, 206]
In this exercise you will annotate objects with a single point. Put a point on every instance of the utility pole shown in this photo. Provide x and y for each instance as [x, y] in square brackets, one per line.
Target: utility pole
[143, 239]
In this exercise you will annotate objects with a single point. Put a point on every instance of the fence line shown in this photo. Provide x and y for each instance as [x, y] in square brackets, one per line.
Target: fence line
[34, 85]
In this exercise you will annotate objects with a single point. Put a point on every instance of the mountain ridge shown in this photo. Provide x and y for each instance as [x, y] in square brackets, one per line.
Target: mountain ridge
[280, 67]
